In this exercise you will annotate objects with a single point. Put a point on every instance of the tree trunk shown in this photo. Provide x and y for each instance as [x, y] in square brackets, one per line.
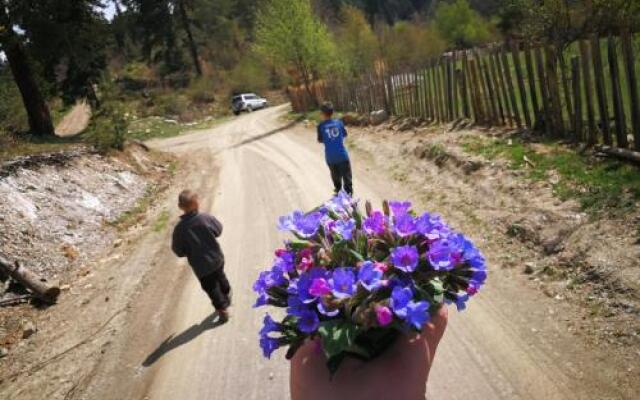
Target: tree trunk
[193, 48]
[30, 281]
[37, 110]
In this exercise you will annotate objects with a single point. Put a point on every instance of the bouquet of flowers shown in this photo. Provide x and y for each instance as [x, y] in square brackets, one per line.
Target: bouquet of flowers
[357, 281]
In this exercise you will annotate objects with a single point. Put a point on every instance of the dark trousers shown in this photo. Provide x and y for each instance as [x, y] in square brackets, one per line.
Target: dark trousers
[341, 177]
[216, 285]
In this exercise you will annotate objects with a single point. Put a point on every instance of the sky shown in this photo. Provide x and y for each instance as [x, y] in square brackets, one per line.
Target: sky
[109, 11]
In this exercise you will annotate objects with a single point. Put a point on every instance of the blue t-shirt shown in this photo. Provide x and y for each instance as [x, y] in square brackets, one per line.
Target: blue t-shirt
[332, 134]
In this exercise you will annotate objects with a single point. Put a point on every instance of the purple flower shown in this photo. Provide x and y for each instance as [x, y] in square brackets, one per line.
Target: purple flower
[399, 208]
[400, 298]
[374, 224]
[432, 227]
[472, 255]
[269, 325]
[319, 287]
[405, 258]
[344, 228]
[322, 309]
[417, 314]
[343, 283]
[383, 315]
[303, 285]
[444, 254]
[341, 203]
[404, 225]
[269, 345]
[308, 321]
[307, 225]
[262, 300]
[285, 260]
[370, 276]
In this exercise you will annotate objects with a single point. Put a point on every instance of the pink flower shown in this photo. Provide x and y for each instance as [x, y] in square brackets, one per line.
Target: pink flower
[319, 287]
[306, 260]
[384, 315]
[382, 267]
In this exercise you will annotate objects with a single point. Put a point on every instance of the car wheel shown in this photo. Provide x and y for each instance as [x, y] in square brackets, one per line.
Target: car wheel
[249, 109]
[236, 112]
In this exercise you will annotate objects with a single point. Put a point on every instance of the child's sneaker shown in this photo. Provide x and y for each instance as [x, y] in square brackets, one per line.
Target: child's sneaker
[223, 316]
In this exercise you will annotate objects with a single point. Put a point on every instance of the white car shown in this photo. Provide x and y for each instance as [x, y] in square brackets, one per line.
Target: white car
[247, 102]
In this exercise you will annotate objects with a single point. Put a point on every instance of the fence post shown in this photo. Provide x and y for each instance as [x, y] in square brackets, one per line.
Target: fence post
[495, 60]
[598, 72]
[531, 77]
[542, 76]
[586, 76]
[577, 99]
[632, 84]
[515, 54]
[495, 109]
[554, 92]
[465, 87]
[510, 88]
[618, 108]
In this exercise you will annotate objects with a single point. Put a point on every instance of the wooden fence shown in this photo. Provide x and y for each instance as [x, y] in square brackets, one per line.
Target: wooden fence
[587, 92]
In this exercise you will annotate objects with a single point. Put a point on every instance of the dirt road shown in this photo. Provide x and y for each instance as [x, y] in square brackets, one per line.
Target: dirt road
[492, 351]
[76, 121]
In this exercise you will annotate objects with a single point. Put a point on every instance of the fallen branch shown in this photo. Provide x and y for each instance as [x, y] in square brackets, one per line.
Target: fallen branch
[624, 154]
[35, 284]
[12, 300]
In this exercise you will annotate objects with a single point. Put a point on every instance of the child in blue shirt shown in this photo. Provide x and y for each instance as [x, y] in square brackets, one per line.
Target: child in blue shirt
[331, 133]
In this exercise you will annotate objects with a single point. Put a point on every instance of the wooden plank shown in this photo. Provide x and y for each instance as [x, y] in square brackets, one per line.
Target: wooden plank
[416, 95]
[632, 86]
[503, 87]
[544, 90]
[554, 91]
[577, 99]
[495, 82]
[510, 88]
[487, 104]
[450, 100]
[479, 114]
[616, 92]
[425, 88]
[588, 91]
[490, 90]
[598, 73]
[434, 92]
[531, 78]
[466, 107]
[438, 88]
[454, 84]
[515, 54]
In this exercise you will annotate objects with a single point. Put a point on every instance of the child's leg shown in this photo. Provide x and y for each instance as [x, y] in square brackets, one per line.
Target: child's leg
[346, 176]
[336, 177]
[217, 288]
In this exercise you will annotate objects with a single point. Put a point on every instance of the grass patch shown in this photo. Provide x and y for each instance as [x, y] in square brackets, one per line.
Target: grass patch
[599, 185]
[12, 146]
[158, 127]
[136, 214]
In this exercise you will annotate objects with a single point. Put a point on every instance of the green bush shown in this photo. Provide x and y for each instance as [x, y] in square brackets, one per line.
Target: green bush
[201, 91]
[13, 117]
[461, 25]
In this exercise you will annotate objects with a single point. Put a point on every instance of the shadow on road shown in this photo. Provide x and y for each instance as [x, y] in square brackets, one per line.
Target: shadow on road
[267, 134]
[172, 342]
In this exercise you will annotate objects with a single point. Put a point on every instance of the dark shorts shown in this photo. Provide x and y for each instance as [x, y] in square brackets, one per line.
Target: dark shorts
[217, 287]
[341, 177]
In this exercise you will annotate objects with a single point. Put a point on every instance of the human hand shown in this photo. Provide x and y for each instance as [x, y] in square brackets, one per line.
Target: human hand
[400, 373]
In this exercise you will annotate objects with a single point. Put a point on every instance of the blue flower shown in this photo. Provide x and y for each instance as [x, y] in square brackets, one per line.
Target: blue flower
[399, 208]
[444, 254]
[369, 276]
[304, 225]
[269, 325]
[262, 300]
[308, 321]
[345, 228]
[374, 224]
[405, 258]
[432, 227]
[285, 260]
[461, 301]
[343, 283]
[305, 282]
[268, 345]
[400, 298]
[417, 314]
[295, 306]
[404, 225]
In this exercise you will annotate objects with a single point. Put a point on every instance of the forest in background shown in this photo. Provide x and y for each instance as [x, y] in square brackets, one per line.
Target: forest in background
[182, 59]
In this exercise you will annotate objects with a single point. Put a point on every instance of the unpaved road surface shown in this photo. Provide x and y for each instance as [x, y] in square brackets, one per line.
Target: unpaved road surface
[75, 121]
[497, 349]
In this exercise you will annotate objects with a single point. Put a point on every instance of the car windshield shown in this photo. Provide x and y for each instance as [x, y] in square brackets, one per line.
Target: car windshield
[236, 99]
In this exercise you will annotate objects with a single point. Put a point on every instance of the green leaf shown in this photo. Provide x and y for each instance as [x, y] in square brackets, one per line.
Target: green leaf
[357, 255]
[299, 244]
[337, 336]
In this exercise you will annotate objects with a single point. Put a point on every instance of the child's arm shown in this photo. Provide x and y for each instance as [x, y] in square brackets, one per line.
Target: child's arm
[176, 244]
[319, 134]
[214, 225]
[344, 130]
